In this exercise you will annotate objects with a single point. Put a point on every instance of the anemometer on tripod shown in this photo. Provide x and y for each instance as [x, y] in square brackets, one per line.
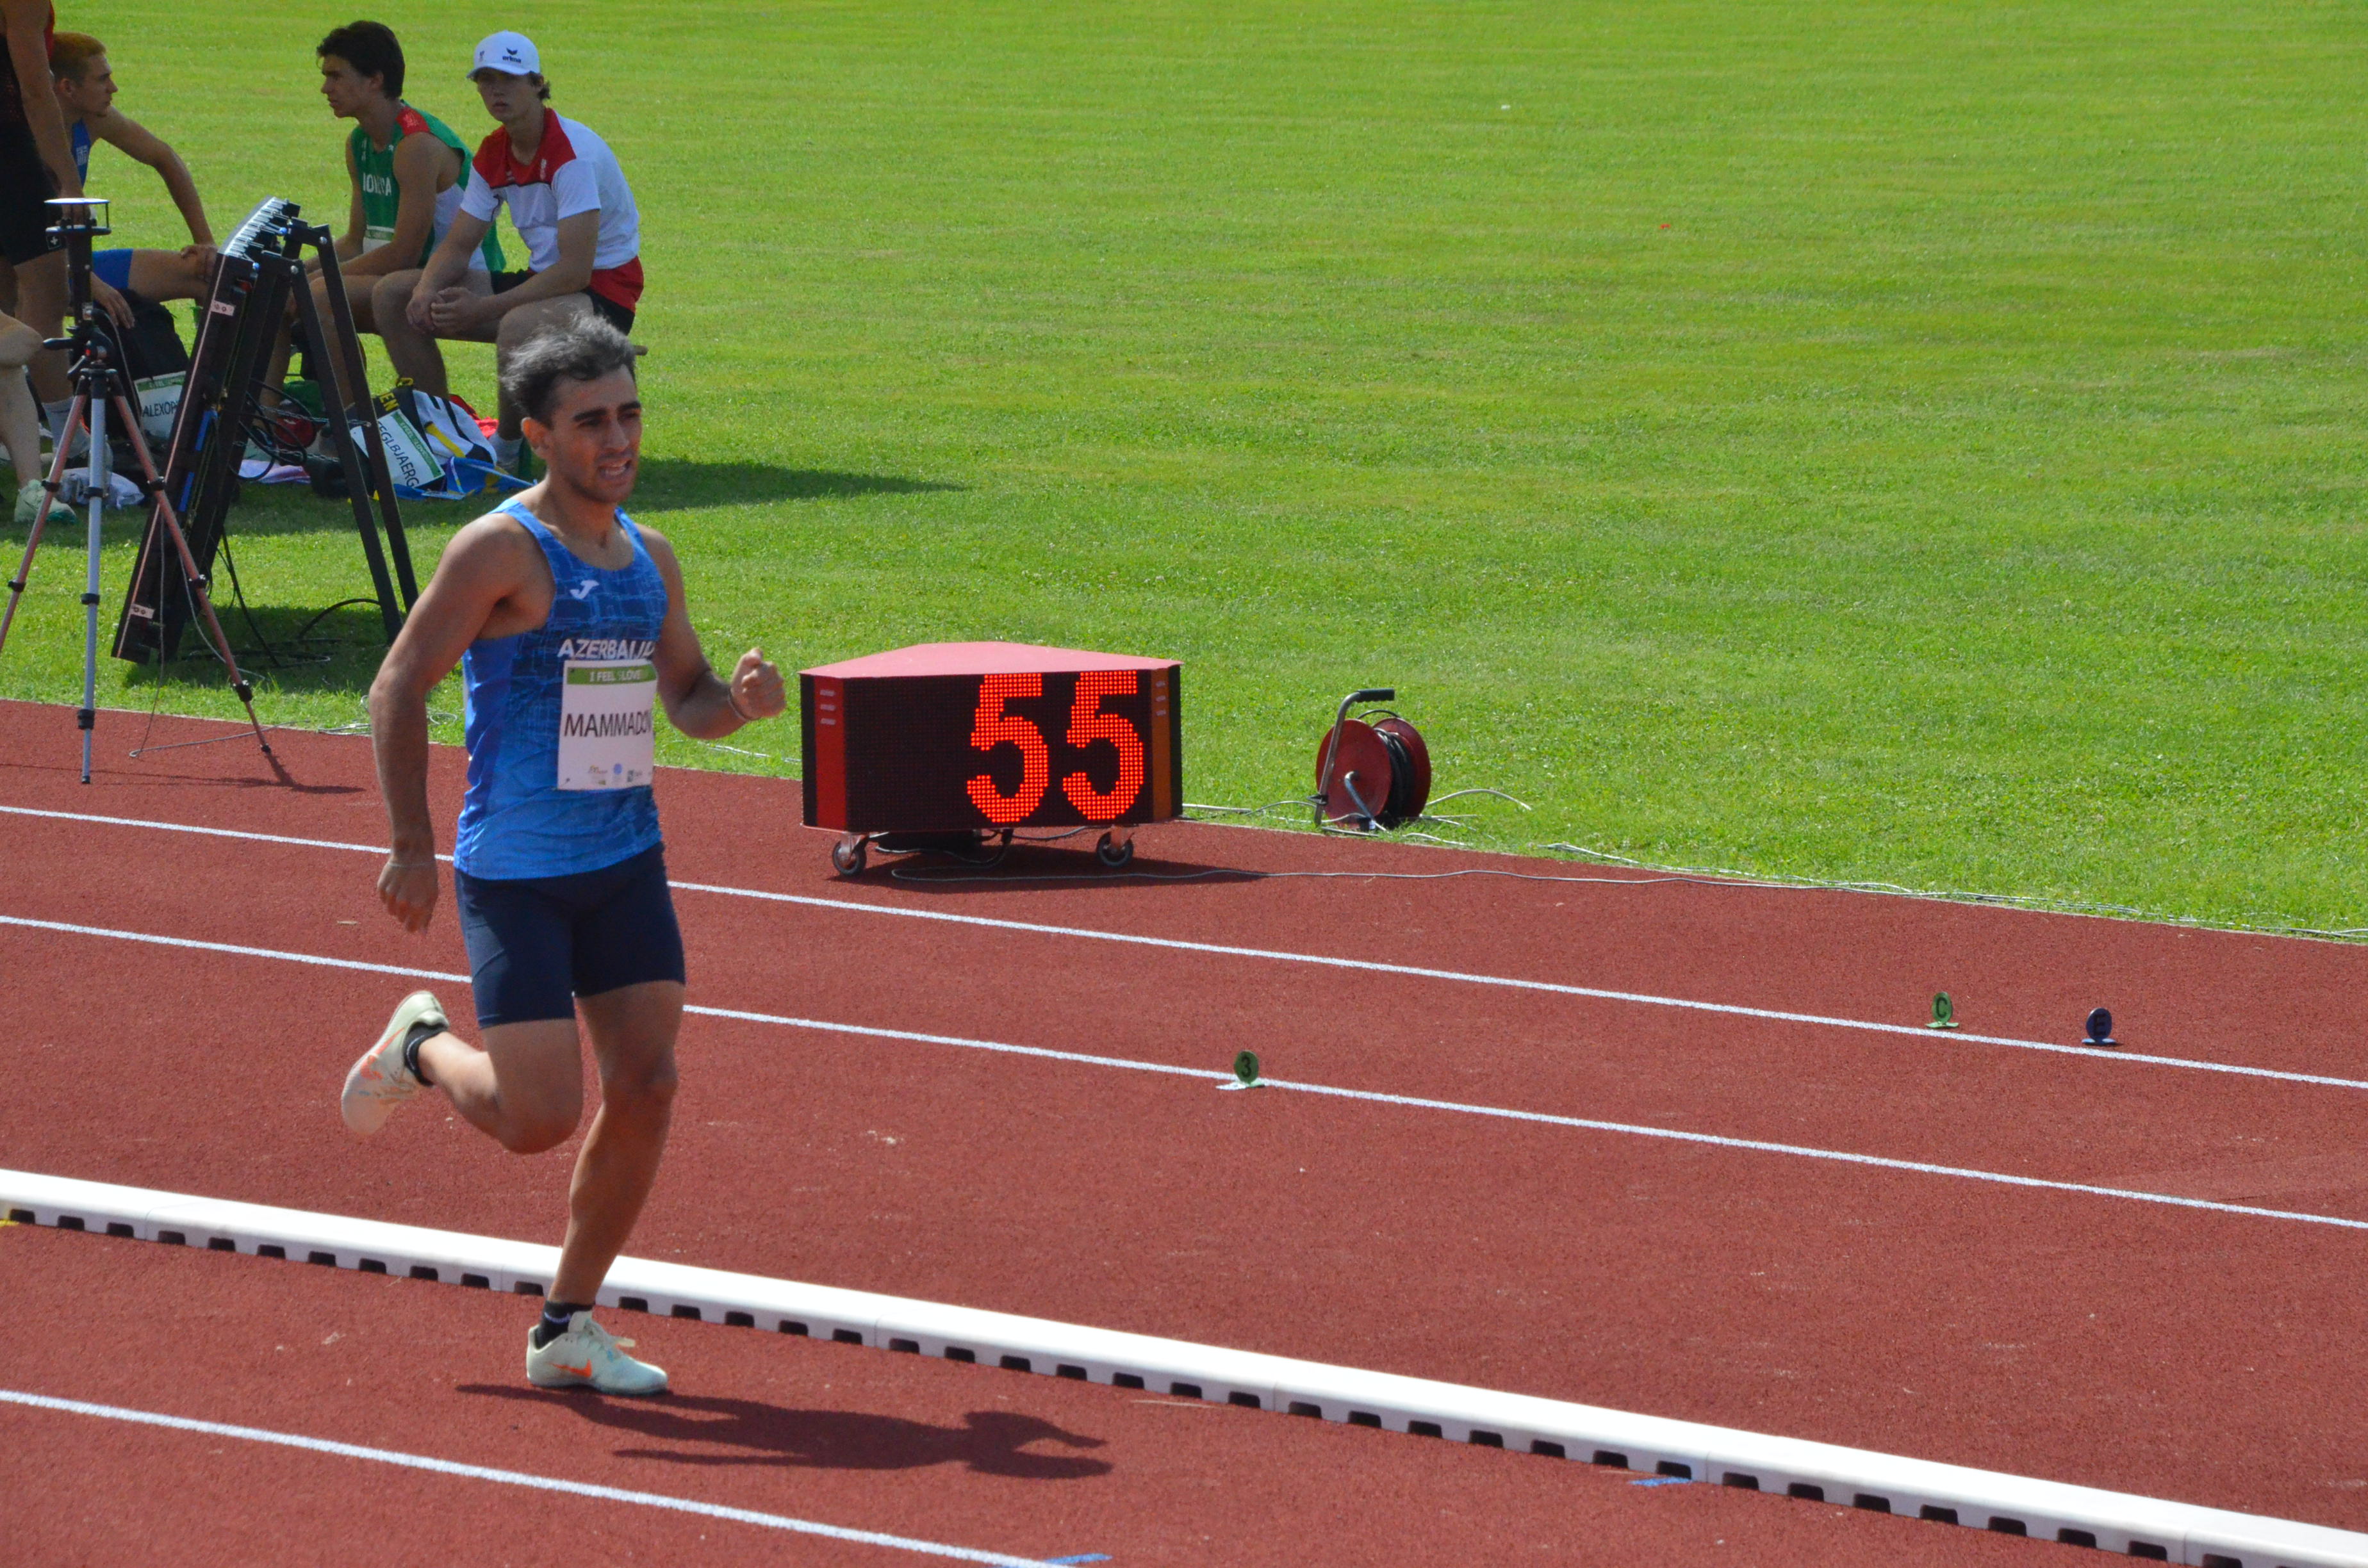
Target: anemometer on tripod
[99, 383]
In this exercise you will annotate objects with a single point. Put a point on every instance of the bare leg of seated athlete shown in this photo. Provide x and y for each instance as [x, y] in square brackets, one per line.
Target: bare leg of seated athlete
[413, 352]
[573, 623]
[41, 305]
[162, 275]
[20, 417]
[412, 346]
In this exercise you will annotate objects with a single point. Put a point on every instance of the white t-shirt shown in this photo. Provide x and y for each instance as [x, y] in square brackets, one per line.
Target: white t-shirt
[573, 172]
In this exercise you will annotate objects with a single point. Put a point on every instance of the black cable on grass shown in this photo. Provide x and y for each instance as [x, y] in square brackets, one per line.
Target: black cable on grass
[156, 702]
[238, 592]
[305, 631]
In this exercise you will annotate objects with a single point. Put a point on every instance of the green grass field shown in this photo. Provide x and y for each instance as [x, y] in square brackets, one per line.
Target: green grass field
[1914, 443]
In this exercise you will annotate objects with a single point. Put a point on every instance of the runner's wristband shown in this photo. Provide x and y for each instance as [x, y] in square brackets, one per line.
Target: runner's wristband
[734, 703]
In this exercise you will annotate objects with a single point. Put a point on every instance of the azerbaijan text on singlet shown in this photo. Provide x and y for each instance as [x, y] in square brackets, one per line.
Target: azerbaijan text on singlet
[561, 722]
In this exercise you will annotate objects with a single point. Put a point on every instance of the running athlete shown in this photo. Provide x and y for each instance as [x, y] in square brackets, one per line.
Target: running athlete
[570, 202]
[84, 83]
[406, 167]
[569, 622]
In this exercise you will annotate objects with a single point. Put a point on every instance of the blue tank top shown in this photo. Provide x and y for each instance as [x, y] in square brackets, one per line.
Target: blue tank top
[516, 822]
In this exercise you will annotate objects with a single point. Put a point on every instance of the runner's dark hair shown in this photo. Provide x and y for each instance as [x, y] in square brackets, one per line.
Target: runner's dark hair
[370, 48]
[582, 351]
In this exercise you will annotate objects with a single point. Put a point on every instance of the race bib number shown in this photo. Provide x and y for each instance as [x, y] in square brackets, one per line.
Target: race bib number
[607, 739]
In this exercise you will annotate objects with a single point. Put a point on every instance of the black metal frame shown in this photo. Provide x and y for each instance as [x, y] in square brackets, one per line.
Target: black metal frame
[259, 274]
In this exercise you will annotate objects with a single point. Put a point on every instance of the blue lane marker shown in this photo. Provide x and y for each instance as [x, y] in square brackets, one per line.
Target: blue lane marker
[1086, 1557]
[1662, 1480]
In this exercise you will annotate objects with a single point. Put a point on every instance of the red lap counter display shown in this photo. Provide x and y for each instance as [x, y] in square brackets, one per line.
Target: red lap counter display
[946, 745]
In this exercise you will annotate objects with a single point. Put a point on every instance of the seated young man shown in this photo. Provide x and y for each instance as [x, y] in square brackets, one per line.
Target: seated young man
[85, 83]
[407, 168]
[572, 207]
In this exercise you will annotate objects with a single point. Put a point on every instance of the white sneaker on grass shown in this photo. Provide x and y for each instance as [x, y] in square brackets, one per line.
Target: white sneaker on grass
[588, 1355]
[379, 1082]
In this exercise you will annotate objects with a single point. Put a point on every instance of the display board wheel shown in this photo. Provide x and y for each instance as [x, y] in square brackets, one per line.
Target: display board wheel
[1114, 850]
[850, 855]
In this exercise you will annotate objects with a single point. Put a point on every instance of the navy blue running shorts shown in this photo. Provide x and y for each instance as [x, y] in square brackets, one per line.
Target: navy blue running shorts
[538, 944]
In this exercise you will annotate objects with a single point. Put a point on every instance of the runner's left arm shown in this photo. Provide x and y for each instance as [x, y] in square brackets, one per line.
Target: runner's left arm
[139, 142]
[700, 703]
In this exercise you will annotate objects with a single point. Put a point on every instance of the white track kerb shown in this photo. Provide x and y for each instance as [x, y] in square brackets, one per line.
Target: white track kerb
[2083, 1516]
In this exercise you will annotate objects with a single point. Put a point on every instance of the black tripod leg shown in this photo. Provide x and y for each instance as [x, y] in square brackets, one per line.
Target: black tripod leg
[341, 318]
[341, 410]
[74, 419]
[165, 515]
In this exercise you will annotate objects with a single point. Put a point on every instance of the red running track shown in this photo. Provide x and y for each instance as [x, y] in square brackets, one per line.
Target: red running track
[967, 1456]
[2116, 1343]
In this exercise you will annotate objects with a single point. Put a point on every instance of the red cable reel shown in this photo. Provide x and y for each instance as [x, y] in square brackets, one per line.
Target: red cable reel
[1371, 776]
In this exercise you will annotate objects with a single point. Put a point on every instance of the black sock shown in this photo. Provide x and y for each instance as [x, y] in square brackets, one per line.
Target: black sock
[422, 1030]
[555, 1318]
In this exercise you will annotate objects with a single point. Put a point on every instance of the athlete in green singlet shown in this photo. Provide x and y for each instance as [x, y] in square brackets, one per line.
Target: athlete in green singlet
[407, 168]
[379, 190]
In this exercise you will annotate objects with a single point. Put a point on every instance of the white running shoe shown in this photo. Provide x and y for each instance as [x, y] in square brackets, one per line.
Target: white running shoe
[379, 1082]
[588, 1355]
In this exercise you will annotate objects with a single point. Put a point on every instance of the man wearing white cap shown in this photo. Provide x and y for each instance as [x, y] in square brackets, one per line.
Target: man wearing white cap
[570, 202]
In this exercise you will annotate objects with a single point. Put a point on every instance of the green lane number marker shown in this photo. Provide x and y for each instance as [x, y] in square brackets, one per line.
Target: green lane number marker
[1944, 1012]
[1246, 1069]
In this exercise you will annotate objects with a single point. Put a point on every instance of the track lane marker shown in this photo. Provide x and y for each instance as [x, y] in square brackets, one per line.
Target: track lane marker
[516, 1478]
[1275, 955]
[1370, 1097]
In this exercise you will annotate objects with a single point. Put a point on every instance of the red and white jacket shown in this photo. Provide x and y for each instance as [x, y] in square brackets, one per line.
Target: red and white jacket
[573, 172]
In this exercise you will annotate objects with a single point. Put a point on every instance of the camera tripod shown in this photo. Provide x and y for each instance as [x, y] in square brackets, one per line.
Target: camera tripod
[99, 383]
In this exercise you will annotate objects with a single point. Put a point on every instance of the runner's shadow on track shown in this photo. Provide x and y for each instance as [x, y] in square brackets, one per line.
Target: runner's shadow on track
[991, 1442]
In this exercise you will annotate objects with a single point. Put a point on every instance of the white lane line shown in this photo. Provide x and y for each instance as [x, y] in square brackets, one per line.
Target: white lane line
[1371, 966]
[516, 1478]
[1374, 966]
[1371, 1096]
[192, 827]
